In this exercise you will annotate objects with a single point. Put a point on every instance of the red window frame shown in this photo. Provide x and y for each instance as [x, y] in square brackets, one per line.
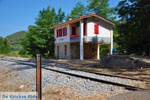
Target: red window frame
[57, 33]
[84, 30]
[73, 30]
[96, 28]
[60, 32]
[65, 31]
[65, 49]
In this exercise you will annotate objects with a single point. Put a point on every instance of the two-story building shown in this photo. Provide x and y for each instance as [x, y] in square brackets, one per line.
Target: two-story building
[74, 39]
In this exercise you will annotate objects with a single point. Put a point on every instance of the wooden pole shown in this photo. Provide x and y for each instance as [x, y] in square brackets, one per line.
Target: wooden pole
[38, 77]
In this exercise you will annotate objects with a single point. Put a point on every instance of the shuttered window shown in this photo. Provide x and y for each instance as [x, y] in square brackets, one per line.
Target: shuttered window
[73, 30]
[65, 31]
[96, 29]
[57, 33]
[60, 32]
[84, 30]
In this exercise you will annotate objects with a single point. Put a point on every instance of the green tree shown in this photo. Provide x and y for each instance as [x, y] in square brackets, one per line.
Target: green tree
[1, 45]
[78, 10]
[4, 46]
[40, 38]
[134, 31]
[101, 7]
[60, 16]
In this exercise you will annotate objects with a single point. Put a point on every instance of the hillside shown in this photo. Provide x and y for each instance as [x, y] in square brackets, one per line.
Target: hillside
[16, 36]
[15, 40]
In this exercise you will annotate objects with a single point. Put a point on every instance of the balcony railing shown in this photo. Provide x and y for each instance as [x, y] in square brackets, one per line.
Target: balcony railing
[75, 36]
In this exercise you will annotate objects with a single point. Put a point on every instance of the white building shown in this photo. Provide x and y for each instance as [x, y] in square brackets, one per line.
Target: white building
[75, 38]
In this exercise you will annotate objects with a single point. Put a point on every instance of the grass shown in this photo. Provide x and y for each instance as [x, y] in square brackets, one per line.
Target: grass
[15, 54]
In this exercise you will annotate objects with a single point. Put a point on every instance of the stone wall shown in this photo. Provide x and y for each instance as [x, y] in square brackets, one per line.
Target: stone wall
[123, 61]
[62, 50]
[75, 50]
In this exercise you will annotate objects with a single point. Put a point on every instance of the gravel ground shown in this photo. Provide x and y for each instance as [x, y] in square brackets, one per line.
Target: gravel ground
[101, 77]
[52, 65]
[52, 79]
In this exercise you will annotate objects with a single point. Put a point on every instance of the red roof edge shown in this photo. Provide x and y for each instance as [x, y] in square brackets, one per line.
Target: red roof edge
[85, 16]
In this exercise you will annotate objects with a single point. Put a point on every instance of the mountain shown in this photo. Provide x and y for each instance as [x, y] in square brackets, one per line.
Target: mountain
[15, 40]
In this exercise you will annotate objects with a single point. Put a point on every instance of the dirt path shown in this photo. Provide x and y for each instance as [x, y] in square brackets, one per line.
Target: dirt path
[138, 95]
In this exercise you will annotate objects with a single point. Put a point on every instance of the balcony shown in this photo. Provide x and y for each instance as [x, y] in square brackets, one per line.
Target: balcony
[74, 37]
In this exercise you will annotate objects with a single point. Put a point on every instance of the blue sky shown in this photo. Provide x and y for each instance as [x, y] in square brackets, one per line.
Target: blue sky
[17, 15]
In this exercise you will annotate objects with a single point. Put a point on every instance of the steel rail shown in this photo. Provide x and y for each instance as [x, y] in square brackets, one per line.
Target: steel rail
[93, 72]
[128, 87]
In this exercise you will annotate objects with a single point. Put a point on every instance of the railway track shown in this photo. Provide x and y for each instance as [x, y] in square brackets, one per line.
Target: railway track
[68, 72]
[94, 72]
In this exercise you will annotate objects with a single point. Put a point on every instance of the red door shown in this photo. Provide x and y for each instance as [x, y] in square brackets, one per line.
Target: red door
[57, 51]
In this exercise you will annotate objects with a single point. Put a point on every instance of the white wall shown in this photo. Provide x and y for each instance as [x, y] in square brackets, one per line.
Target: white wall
[104, 28]
[63, 38]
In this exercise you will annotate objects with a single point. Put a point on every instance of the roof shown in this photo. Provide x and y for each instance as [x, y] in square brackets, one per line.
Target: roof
[82, 17]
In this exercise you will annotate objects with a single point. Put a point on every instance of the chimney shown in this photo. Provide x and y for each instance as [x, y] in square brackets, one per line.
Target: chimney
[69, 19]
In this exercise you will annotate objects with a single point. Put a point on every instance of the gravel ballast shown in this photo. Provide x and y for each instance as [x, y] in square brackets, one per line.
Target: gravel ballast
[55, 79]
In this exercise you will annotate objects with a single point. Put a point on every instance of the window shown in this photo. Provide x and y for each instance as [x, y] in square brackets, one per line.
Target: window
[65, 31]
[84, 30]
[57, 33]
[65, 50]
[73, 30]
[96, 29]
[60, 32]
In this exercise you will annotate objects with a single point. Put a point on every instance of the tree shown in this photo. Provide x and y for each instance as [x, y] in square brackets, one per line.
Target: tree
[134, 31]
[101, 7]
[78, 10]
[1, 45]
[60, 16]
[4, 46]
[40, 38]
